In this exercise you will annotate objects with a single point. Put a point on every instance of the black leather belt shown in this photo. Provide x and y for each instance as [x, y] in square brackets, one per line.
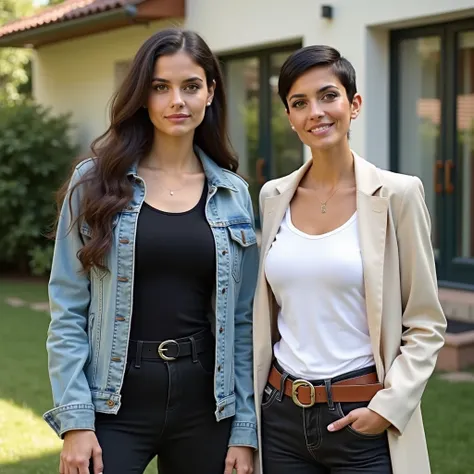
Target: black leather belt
[171, 349]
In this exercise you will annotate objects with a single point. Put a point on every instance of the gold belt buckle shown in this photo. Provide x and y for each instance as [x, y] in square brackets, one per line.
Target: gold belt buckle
[294, 393]
[162, 349]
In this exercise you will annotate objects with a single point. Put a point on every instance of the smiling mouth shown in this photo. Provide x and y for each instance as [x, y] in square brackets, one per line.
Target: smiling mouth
[321, 128]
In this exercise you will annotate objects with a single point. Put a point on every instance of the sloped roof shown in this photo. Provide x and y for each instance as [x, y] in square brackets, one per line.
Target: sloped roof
[72, 12]
[69, 10]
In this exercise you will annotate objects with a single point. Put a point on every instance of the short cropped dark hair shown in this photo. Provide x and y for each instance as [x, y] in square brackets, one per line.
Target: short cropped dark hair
[313, 56]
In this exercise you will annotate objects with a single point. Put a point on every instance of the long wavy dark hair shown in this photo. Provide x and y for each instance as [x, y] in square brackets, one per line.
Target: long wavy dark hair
[129, 138]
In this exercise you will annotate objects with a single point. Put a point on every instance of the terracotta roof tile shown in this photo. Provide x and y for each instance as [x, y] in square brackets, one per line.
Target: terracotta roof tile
[69, 10]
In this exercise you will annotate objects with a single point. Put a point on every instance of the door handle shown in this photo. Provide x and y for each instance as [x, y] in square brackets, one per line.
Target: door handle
[448, 184]
[437, 185]
[259, 165]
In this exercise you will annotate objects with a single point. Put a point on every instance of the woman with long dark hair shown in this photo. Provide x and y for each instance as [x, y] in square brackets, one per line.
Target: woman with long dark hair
[152, 281]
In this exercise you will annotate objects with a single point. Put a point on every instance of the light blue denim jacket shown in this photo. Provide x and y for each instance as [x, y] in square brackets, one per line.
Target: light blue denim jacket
[91, 313]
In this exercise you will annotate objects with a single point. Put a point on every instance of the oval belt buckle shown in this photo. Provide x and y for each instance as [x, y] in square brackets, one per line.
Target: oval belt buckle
[294, 393]
[162, 349]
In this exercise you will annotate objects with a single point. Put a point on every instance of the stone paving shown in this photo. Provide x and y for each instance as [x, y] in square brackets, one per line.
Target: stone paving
[18, 303]
[458, 377]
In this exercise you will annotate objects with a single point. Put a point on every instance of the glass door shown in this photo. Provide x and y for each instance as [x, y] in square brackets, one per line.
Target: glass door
[258, 126]
[243, 86]
[432, 135]
[419, 114]
[286, 148]
[459, 177]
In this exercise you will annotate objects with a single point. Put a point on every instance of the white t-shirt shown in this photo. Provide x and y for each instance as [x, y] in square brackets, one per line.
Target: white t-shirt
[318, 282]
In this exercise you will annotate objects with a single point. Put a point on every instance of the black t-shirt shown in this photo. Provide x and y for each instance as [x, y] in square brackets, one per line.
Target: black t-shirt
[175, 271]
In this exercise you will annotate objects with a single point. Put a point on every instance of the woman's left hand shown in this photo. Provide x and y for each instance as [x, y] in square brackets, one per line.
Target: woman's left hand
[239, 458]
[363, 420]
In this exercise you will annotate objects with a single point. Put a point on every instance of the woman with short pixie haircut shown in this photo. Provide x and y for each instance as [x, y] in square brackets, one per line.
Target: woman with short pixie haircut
[347, 321]
[152, 281]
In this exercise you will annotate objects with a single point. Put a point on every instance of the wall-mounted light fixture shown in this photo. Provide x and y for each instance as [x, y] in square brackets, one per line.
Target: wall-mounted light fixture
[327, 12]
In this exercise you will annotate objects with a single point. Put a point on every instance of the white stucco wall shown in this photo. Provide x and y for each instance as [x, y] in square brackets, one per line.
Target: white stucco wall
[78, 76]
[359, 29]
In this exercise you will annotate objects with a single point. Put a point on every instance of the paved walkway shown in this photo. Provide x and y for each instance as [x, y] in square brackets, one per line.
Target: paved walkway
[18, 303]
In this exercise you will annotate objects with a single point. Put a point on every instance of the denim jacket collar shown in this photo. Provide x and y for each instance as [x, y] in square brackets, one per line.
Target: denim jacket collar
[215, 175]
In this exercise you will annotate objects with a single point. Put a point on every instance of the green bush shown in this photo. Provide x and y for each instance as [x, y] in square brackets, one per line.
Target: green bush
[35, 156]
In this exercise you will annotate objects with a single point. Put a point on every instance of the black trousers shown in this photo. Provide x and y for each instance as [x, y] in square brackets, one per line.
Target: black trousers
[296, 440]
[167, 410]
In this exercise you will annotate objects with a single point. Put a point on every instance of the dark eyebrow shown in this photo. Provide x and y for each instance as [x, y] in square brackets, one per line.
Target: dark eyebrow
[165, 81]
[323, 89]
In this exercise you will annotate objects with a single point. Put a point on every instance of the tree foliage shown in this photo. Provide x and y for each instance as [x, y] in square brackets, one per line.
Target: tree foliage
[14, 62]
[35, 156]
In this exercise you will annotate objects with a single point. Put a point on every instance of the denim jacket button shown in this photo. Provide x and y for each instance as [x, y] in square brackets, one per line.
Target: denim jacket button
[221, 329]
[110, 403]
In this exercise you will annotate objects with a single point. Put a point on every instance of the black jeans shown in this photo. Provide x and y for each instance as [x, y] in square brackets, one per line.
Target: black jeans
[167, 410]
[296, 440]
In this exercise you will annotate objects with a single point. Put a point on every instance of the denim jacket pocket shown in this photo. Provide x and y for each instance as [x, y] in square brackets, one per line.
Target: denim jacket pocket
[86, 231]
[241, 236]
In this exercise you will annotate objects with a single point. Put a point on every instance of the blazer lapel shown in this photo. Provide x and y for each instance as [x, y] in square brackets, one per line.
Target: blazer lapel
[372, 212]
[274, 210]
[276, 206]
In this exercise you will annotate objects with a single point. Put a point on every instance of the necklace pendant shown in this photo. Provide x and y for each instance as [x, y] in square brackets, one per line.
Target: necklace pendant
[171, 193]
[323, 208]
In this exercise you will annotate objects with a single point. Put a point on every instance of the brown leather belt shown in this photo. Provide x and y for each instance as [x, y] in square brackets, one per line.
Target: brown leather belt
[305, 394]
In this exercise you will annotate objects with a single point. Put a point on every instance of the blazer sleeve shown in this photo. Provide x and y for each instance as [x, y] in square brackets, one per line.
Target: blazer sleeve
[423, 320]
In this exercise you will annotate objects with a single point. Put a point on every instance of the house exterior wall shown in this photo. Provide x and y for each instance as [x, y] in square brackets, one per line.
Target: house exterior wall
[80, 76]
[359, 29]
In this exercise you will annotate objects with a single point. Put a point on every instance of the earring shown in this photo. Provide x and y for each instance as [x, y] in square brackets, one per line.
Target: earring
[209, 103]
[293, 127]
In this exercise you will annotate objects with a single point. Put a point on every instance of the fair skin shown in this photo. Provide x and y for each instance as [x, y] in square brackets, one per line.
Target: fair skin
[177, 101]
[320, 113]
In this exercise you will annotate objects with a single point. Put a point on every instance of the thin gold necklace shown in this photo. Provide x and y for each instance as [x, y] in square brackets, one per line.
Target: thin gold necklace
[324, 207]
[171, 192]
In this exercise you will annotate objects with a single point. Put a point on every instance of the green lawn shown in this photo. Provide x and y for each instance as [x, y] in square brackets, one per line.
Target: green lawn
[29, 446]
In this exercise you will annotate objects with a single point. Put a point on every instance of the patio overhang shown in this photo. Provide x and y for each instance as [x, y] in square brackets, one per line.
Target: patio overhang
[76, 18]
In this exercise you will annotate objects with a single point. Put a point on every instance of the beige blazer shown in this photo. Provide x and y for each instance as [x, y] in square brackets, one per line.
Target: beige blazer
[406, 321]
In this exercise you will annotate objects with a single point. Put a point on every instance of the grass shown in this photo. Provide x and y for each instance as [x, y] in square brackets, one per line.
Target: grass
[29, 446]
